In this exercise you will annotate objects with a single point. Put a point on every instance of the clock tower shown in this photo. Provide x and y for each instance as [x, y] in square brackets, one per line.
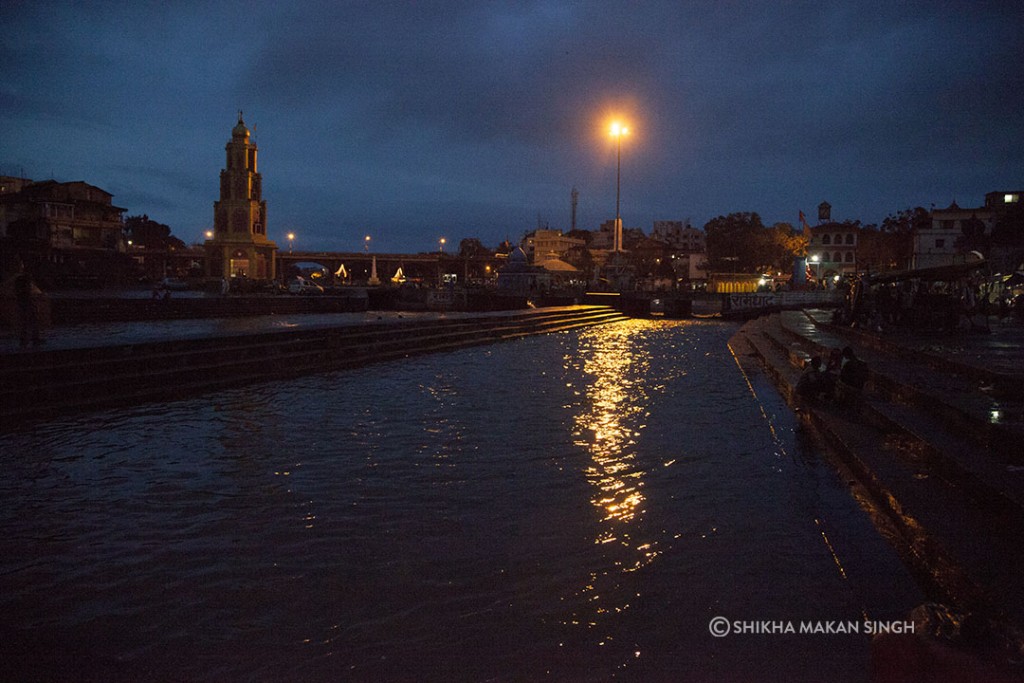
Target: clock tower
[239, 246]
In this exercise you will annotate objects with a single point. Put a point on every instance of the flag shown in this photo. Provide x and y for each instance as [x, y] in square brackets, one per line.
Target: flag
[807, 228]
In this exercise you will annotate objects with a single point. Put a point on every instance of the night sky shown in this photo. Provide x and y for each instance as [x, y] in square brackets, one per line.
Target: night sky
[413, 120]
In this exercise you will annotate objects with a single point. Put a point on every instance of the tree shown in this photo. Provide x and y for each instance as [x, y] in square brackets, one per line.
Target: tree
[144, 232]
[901, 228]
[877, 250]
[734, 242]
[782, 244]
[471, 247]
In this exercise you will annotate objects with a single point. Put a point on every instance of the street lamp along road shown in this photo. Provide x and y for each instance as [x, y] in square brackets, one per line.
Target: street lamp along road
[291, 238]
[618, 131]
[442, 242]
[366, 244]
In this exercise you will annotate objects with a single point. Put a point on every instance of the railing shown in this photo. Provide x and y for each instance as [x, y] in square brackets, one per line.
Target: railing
[762, 300]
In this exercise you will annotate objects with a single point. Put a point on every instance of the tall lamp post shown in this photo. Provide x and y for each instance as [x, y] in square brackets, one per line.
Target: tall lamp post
[366, 244]
[291, 238]
[618, 131]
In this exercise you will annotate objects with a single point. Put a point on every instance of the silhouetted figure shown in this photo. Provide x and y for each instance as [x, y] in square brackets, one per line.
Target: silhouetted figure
[854, 373]
[814, 384]
[28, 316]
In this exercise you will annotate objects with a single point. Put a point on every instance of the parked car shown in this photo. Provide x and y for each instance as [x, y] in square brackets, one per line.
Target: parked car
[301, 286]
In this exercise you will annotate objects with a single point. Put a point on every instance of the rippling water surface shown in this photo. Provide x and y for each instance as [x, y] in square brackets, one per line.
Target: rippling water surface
[574, 506]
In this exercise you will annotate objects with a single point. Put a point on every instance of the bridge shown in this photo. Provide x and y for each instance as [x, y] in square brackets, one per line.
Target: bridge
[426, 267]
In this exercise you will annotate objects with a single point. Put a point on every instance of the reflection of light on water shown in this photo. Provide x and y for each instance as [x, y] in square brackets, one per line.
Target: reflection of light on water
[612, 413]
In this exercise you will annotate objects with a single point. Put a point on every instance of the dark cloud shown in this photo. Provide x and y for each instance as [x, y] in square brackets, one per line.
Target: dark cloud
[418, 118]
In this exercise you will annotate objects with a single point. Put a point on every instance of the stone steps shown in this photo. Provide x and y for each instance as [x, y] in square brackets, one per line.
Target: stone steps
[45, 383]
[956, 515]
[961, 398]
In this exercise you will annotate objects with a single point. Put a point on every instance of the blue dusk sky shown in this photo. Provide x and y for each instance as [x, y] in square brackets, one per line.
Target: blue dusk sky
[413, 120]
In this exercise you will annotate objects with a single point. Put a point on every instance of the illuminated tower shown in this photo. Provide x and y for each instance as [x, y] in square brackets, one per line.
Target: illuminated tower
[239, 246]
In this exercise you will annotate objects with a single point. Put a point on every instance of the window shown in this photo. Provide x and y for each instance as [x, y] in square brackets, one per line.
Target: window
[1011, 198]
[826, 239]
[849, 238]
[839, 257]
[849, 257]
[940, 244]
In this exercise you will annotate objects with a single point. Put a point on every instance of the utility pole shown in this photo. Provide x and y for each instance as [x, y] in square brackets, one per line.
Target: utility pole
[575, 200]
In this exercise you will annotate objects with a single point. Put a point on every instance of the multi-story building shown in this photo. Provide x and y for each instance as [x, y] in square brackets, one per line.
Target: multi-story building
[65, 226]
[239, 246]
[548, 244]
[680, 236]
[939, 244]
[833, 249]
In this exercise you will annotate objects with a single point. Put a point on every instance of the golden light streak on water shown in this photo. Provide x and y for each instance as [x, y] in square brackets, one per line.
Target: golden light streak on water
[609, 419]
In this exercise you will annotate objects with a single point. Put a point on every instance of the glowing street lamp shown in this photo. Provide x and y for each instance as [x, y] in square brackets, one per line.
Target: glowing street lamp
[291, 238]
[618, 131]
[366, 244]
[442, 242]
[209, 234]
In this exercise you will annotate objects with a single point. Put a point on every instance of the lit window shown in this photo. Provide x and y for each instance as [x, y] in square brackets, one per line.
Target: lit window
[1011, 198]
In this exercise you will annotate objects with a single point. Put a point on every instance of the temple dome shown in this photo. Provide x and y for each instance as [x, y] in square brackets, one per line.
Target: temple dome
[240, 131]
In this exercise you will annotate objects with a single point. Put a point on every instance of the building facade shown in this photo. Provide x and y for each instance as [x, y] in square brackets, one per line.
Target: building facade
[680, 236]
[833, 250]
[65, 230]
[544, 245]
[940, 244]
[239, 247]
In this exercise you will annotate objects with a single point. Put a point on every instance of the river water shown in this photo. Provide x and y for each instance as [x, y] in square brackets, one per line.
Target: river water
[572, 506]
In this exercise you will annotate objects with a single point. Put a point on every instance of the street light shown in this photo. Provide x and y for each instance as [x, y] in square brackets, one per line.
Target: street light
[366, 244]
[209, 234]
[617, 132]
[291, 238]
[442, 243]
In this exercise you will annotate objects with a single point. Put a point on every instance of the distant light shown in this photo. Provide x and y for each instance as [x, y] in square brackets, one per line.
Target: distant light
[836, 278]
[618, 129]
[291, 235]
[209, 234]
[1010, 198]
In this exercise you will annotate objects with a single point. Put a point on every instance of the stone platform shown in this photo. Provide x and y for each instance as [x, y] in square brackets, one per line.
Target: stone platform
[108, 364]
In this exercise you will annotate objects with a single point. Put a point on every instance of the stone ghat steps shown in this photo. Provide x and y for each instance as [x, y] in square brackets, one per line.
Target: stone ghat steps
[985, 403]
[953, 513]
[47, 383]
[950, 402]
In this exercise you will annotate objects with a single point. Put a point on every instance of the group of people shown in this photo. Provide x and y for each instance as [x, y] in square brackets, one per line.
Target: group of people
[837, 380]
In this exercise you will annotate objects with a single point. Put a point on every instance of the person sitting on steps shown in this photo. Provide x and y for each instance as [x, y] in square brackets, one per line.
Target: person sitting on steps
[852, 376]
